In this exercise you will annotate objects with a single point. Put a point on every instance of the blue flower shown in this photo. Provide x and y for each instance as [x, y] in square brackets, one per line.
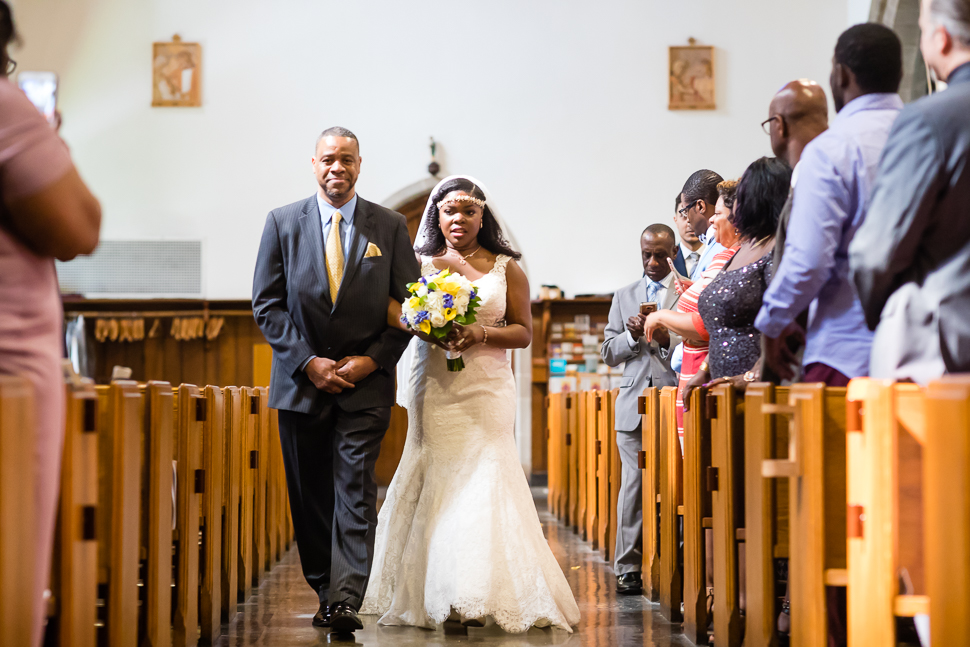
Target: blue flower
[473, 294]
[421, 316]
[424, 280]
[449, 301]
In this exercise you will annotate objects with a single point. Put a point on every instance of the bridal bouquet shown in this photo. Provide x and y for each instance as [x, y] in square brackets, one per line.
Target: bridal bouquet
[438, 301]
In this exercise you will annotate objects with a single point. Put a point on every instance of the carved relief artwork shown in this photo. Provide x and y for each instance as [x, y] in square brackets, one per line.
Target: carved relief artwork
[691, 78]
[177, 74]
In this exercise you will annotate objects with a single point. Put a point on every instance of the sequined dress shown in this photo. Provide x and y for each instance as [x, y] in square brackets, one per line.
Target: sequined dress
[728, 307]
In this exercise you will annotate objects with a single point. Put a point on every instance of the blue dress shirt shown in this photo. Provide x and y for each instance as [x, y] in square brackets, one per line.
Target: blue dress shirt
[835, 176]
[711, 249]
[346, 221]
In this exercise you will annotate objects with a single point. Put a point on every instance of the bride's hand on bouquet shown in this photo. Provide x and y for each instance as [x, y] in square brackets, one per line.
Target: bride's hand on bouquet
[461, 338]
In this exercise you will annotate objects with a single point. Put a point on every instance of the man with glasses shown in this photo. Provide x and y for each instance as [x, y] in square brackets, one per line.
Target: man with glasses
[690, 249]
[698, 198]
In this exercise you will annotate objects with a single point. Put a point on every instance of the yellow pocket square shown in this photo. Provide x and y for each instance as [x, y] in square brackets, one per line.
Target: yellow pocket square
[372, 251]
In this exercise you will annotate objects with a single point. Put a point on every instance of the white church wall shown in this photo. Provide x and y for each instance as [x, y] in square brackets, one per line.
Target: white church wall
[559, 107]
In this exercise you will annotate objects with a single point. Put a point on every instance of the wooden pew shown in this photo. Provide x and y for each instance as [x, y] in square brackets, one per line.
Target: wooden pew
[571, 459]
[213, 477]
[604, 442]
[725, 481]
[75, 566]
[234, 433]
[191, 414]
[592, 468]
[885, 507]
[247, 494]
[671, 508]
[157, 514]
[946, 488]
[616, 474]
[17, 542]
[120, 420]
[581, 441]
[649, 406]
[553, 420]
[765, 512]
[697, 516]
[815, 469]
[260, 473]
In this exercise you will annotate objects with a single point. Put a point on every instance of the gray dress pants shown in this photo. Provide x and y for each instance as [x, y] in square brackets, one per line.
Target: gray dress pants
[628, 557]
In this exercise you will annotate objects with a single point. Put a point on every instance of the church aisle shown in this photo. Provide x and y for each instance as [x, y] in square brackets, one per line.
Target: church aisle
[281, 610]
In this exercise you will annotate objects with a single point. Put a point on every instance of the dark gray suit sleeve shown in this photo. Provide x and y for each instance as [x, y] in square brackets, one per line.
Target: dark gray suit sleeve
[389, 347]
[269, 303]
[884, 248]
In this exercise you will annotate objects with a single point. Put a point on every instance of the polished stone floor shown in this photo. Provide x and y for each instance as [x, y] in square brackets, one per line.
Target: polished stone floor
[281, 610]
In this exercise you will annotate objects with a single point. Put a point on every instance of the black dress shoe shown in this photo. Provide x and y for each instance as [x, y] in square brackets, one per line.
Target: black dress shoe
[322, 617]
[343, 619]
[629, 584]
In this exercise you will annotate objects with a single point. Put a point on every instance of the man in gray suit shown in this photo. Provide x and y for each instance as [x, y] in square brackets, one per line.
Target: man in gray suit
[327, 266]
[646, 364]
[909, 260]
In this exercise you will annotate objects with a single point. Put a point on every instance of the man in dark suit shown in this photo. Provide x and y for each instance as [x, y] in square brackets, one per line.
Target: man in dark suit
[909, 259]
[690, 249]
[327, 267]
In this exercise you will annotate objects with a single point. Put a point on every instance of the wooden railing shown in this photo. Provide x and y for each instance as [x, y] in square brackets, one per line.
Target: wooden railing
[866, 488]
[112, 579]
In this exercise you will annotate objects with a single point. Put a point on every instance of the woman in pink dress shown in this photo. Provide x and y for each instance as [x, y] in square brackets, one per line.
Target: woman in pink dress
[685, 321]
[46, 212]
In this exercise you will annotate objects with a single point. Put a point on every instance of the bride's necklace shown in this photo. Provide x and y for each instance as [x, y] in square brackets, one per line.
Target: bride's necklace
[462, 258]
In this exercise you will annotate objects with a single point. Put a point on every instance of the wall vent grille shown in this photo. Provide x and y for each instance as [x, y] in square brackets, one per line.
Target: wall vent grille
[136, 268]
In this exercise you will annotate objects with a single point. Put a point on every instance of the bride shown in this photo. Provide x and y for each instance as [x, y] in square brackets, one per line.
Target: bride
[458, 537]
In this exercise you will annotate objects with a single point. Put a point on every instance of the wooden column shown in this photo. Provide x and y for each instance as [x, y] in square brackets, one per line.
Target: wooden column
[764, 520]
[248, 459]
[159, 449]
[234, 426]
[190, 479]
[649, 404]
[581, 441]
[671, 506]
[946, 483]
[572, 459]
[725, 481]
[18, 436]
[259, 487]
[213, 459]
[592, 462]
[697, 517]
[604, 434]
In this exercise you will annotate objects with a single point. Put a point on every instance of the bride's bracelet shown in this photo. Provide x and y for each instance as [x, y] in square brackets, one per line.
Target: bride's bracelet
[485, 332]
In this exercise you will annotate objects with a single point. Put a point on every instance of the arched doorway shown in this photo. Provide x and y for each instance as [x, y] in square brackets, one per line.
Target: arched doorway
[411, 202]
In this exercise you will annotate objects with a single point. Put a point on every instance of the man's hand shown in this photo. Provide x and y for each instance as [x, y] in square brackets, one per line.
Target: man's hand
[662, 336]
[635, 325]
[323, 373]
[355, 368]
[779, 356]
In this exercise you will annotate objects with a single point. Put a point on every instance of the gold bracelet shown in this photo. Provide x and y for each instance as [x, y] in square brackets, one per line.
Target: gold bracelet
[485, 339]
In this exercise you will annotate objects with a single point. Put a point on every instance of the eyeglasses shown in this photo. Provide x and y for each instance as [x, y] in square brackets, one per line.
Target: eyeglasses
[687, 207]
[764, 124]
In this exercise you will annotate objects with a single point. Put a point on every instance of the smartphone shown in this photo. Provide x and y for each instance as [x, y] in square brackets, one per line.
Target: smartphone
[647, 307]
[41, 89]
[677, 275]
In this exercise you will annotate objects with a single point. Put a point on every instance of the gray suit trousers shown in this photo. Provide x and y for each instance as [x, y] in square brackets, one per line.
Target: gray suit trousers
[628, 556]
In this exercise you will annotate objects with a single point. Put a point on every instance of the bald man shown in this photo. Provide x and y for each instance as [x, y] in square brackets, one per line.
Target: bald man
[798, 113]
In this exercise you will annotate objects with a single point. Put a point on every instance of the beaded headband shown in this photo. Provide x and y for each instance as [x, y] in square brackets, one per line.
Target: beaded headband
[462, 198]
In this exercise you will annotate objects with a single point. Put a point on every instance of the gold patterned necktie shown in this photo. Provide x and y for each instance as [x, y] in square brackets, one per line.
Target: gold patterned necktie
[335, 256]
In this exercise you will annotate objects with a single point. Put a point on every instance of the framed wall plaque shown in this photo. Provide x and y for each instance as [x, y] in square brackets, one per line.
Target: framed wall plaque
[691, 73]
[177, 74]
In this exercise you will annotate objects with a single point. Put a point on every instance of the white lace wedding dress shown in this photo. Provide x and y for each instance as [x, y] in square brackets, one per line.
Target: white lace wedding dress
[459, 529]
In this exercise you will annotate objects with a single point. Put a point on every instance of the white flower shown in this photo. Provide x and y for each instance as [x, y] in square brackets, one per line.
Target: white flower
[422, 291]
[435, 302]
[437, 319]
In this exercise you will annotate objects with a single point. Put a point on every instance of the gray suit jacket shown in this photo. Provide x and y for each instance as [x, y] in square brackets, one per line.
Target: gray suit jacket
[646, 363]
[909, 259]
[292, 305]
